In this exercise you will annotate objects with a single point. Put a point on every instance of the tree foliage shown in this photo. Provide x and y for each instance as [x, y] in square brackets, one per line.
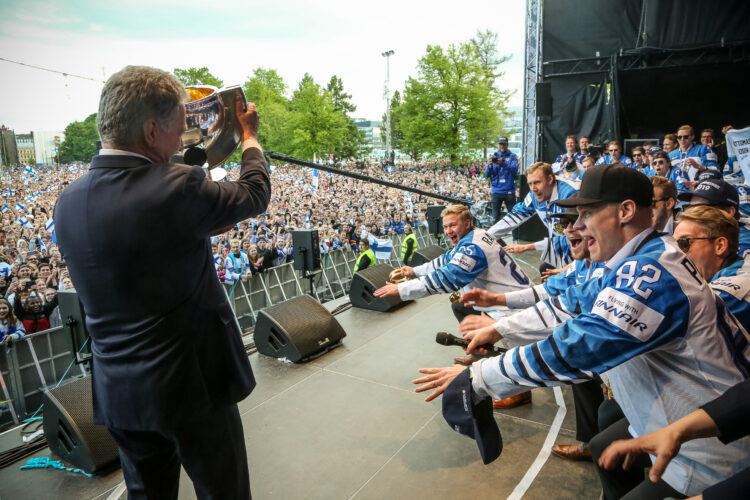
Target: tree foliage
[267, 90]
[80, 141]
[453, 106]
[197, 76]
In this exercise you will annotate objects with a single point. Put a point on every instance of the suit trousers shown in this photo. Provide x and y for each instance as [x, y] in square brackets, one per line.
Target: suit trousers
[212, 450]
[460, 311]
[627, 484]
[587, 396]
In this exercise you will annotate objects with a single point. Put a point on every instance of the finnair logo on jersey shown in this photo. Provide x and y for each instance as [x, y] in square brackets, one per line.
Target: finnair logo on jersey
[627, 314]
[463, 261]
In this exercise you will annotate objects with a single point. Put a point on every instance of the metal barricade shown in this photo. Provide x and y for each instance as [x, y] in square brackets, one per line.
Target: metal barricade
[32, 364]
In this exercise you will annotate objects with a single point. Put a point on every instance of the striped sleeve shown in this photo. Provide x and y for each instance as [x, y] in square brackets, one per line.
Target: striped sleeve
[459, 269]
[522, 211]
[640, 307]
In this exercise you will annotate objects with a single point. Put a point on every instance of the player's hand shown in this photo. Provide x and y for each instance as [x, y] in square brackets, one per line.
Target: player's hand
[438, 379]
[518, 248]
[484, 335]
[663, 443]
[408, 271]
[386, 291]
[480, 298]
[473, 322]
[551, 272]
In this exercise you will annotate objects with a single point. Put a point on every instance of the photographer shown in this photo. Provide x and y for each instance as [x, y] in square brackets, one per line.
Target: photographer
[501, 170]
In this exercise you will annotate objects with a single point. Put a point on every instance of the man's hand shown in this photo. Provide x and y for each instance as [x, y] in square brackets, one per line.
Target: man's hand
[551, 272]
[474, 321]
[247, 118]
[484, 335]
[482, 298]
[663, 443]
[692, 163]
[408, 271]
[518, 248]
[691, 184]
[438, 379]
[387, 290]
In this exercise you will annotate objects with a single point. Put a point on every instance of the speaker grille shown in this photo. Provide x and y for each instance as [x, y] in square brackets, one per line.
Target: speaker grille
[70, 429]
[365, 282]
[296, 329]
[425, 255]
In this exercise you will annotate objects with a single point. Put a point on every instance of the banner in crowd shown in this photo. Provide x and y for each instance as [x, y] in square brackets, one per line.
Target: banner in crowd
[738, 146]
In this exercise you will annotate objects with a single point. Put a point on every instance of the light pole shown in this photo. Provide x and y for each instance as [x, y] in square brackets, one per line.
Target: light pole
[387, 56]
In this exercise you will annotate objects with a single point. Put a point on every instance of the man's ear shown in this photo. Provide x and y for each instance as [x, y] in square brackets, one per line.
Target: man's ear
[721, 246]
[626, 211]
[150, 127]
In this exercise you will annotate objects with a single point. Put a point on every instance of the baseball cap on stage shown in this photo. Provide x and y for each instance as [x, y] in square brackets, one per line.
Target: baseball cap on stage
[472, 418]
[653, 150]
[716, 191]
[612, 183]
[710, 173]
[502, 139]
[567, 213]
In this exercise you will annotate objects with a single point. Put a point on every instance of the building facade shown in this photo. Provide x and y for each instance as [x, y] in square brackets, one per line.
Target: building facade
[46, 145]
[25, 145]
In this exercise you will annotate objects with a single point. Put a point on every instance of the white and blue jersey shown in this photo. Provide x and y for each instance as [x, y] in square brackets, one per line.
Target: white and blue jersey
[744, 237]
[607, 159]
[524, 210]
[743, 193]
[732, 284]
[562, 160]
[665, 342]
[700, 153]
[235, 266]
[477, 261]
[677, 176]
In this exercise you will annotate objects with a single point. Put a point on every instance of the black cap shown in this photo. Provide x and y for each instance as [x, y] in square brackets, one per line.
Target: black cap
[567, 211]
[472, 418]
[710, 173]
[716, 191]
[654, 149]
[613, 183]
[502, 140]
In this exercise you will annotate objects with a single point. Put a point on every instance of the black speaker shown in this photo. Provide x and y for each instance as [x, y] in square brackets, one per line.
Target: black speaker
[297, 329]
[533, 229]
[365, 282]
[434, 219]
[425, 255]
[544, 100]
[70, 430]
[306, 249]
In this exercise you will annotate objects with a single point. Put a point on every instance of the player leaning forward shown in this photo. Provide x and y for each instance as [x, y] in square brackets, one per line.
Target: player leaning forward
[655, 327]
[476, 261]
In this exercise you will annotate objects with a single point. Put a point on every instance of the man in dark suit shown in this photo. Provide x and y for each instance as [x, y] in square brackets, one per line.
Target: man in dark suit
[168, 364]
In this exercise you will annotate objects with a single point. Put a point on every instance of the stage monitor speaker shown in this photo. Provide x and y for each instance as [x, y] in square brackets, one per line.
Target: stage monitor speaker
[364, 284]
[434, 219]
[297, 329]
[70, 430]
[425, 255]
[544, 100]
[533, 229]
[306, 249]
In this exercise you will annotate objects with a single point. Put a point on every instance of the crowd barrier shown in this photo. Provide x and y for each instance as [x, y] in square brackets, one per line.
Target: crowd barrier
[45, 359]
[280, 283]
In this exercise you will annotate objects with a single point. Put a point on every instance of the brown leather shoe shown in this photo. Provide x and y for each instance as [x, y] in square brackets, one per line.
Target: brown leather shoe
[578, 452]
[513, 401]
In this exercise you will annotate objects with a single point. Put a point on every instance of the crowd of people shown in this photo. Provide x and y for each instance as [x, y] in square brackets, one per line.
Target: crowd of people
[645, 291]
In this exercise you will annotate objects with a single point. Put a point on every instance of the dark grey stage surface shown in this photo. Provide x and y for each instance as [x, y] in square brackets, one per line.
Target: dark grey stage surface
[349, 425]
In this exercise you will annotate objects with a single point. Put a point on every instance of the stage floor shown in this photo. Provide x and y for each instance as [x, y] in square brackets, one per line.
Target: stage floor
[349, 425]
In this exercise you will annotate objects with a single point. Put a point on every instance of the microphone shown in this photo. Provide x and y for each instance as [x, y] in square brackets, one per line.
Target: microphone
[445, 338]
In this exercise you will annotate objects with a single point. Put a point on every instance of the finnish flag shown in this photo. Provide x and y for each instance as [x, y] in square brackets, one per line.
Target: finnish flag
[19, 207]
[4, 208]
[382, 247]
[25, 223]
[315, 178]
[50, 225]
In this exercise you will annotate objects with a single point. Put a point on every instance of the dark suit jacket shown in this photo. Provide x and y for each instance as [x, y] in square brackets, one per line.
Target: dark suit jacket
[135, 235]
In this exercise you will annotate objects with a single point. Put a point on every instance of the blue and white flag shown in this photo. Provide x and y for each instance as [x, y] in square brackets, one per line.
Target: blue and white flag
[50, 225]
[25, 223]
[19, 207]
[315, 178]
[4, 208]
[381, 247]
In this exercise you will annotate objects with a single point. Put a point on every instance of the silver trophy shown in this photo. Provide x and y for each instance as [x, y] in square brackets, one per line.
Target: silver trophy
[213, 132]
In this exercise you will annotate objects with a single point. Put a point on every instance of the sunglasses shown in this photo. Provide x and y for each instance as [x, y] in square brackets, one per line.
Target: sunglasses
[658, 162]
[562, 224]
[683, 137]
[685, 242]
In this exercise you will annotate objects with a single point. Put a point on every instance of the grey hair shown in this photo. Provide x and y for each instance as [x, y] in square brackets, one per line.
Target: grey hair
[133, 95]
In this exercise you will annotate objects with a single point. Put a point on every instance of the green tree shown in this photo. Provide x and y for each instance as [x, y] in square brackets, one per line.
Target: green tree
[353, 138]
[452, 106]
[267, 89]
[197, 76]
[396, 132]
[314, 126]
[341, 100]
[80, 141]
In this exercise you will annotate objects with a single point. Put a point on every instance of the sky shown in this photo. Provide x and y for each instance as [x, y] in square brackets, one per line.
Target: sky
[95, 39]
